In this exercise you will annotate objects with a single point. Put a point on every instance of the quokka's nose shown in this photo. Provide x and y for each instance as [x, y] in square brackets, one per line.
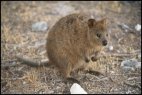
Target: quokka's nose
[104, 42]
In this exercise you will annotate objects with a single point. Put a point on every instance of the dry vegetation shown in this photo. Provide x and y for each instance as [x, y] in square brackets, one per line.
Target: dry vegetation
[17, 38]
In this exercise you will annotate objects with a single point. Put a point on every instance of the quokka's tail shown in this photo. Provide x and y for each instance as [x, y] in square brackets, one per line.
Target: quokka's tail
[31, 62]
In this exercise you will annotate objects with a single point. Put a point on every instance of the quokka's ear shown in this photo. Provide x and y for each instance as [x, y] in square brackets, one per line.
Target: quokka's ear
[91, 22]
[103, 22]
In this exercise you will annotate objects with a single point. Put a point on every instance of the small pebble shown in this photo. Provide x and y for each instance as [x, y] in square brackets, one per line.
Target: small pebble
[138, 27]
[24, 82]
[110, 48]
[138, 65]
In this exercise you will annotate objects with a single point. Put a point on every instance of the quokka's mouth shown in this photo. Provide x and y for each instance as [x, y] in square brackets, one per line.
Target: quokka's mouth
[104, 43]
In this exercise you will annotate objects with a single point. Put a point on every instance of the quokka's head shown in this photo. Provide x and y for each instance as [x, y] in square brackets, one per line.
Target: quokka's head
[98, 31]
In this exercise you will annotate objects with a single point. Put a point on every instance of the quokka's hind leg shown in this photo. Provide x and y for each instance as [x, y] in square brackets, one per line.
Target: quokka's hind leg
[94, 58]
[67, 75]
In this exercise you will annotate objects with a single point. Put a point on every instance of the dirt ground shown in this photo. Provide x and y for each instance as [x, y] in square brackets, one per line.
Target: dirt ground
[17, 37]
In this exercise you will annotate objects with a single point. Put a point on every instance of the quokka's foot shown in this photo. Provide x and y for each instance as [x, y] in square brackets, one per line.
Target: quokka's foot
[87, 60]
[94, 59]
[72, 80]
[94, 73]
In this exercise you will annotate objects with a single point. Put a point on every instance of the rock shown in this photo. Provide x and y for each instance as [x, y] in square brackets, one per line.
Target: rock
[138, 27]
[138, 65]
[24, 82]
[139, 56]
[77, 89]
[110, 48]
[92, 16]
[127, 69]
[130, 65]
[40, 26]
[64, 9]
[112, 72]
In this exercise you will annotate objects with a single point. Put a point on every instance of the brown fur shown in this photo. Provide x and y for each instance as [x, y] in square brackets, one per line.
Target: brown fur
[73, 39]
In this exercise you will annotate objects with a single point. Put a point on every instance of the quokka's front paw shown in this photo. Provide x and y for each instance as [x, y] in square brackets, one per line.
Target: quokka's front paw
[94, 58]
[95, 73]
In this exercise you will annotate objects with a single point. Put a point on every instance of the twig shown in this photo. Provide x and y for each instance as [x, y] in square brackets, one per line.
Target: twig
[7, 66]
[98, 79]
[121, 54]
[132, 85]
[4, 61]
[124, 74]
[111, 79]
[132, 78]
[10, 79]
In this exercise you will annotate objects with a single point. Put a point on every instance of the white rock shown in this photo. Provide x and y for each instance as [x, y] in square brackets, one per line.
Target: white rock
[139, 56]
[110, 48]
[138, 65]
[77, 89]
[24, 82]
[40, 26]
[112, 72]
[138, 27]
[92, 17]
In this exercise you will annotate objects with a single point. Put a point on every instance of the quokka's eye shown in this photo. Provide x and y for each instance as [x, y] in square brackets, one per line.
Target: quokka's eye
[98, 35]
[106, 34]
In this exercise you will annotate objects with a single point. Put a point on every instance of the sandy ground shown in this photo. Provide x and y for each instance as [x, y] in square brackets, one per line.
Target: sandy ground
[17, 37]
